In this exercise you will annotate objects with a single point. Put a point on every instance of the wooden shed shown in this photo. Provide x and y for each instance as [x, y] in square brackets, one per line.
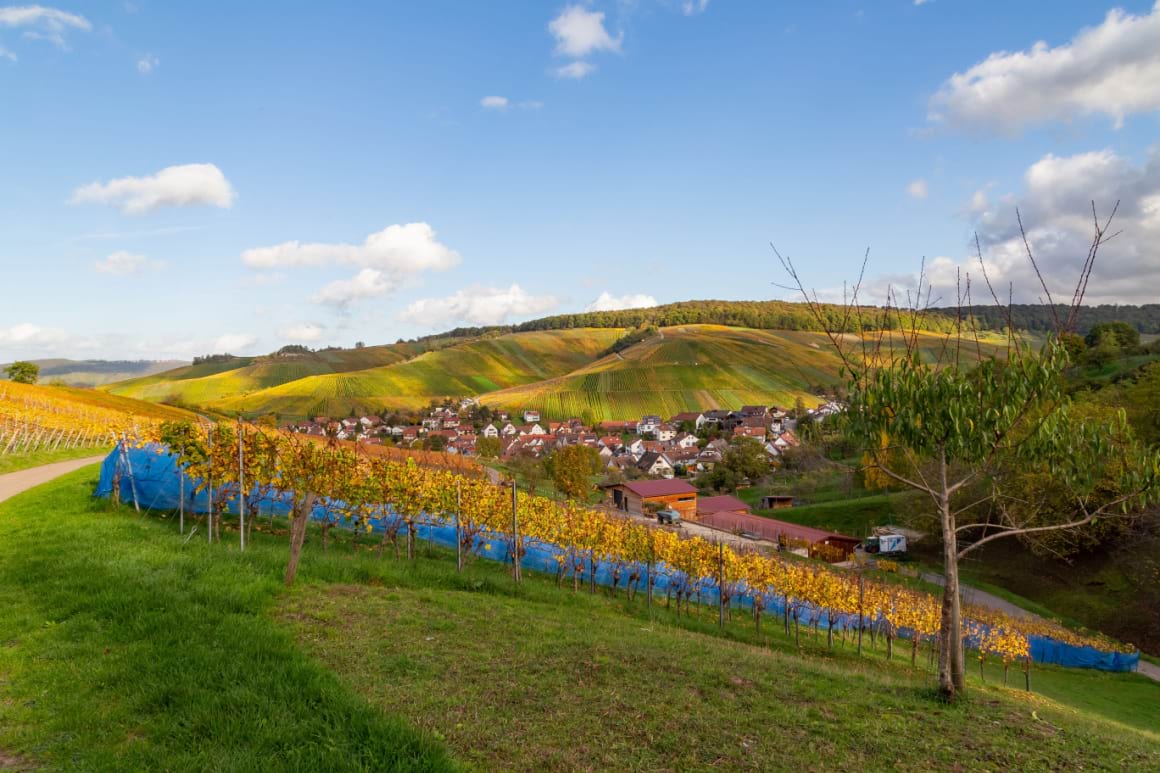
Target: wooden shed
[632, 496]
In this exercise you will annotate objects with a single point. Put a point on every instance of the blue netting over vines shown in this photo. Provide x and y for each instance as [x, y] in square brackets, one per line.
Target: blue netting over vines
[157, 483]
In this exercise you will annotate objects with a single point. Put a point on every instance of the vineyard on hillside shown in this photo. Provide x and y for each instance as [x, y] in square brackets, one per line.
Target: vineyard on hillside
[400, 500]
[49, 418]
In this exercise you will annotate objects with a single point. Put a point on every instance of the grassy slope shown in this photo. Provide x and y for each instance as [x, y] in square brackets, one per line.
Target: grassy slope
[470, 368]
[14, 462]
[120, 648]
[123, 647]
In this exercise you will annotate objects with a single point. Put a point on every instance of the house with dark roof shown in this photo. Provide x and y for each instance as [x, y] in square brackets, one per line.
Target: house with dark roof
[633, 496]
[655, 464]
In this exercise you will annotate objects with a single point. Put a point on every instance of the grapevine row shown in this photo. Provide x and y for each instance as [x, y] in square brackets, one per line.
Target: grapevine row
[363, 492]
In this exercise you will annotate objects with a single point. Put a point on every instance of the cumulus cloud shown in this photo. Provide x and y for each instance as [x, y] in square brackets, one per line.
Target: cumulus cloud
[606, 301]
[694, 7]
[1056, 206]
[579, 32]
[917, 189]
[494, 103]
[575, 70]
[1112, 69]
[402, 249]
[368, 283]
[478, 306]
[174, 186]
[31, 336]
[41, 23]
[123, 263]
[306, 332]
[147, 64]
[232, 343]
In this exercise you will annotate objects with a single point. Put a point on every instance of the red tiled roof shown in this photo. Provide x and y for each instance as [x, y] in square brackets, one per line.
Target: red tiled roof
[769, 528]
[722, 503]
[659, 488]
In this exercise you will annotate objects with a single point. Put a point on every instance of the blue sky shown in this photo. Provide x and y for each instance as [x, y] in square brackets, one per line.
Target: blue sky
[177, 179]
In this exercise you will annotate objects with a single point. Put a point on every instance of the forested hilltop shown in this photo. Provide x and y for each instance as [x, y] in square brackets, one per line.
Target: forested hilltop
[783, 315]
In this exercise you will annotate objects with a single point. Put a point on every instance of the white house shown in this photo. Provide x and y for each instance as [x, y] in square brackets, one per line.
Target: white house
[490, 431]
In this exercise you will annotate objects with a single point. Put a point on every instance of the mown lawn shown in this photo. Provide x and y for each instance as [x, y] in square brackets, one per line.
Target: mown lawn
[124, 647]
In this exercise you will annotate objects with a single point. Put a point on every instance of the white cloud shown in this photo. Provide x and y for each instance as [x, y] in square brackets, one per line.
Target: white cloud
[401, 249]
[122, 263]
[579, 32]
[43, 23]
[29, 335]
[978, 203]
[917, 189]
[921, 2]
[575, 70]
[1112, 69]
[173, 186]
[306, 332]
[6, 54]
[606, 301]
[147, 64]
[694, 7]
[531, 104]
[1056, 207]
[233, 343]
[494, 103]
[368, 283]
[478, 306]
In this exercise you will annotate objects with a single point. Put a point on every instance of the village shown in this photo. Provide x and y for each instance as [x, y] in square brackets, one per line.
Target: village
[649, 462]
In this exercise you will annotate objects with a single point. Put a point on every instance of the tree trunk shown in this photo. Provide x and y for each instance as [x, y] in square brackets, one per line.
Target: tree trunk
[301, 517]
[951, 679]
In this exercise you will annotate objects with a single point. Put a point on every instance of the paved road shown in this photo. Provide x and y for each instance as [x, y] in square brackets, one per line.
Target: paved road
[17, 482]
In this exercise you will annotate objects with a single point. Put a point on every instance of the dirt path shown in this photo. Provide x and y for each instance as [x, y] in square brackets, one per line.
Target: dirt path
[17, 482]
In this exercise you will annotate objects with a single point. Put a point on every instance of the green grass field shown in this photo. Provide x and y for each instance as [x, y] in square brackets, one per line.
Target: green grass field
[14, 462]
[122, 646]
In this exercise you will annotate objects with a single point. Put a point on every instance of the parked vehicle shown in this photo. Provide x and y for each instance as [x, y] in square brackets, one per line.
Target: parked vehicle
[669, 517]
[884, 546]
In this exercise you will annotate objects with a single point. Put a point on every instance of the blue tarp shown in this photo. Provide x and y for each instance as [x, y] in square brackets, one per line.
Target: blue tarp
[160, 485]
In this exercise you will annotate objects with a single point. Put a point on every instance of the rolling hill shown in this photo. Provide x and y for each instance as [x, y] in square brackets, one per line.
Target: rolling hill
[89, 373]
[474, 367]
[562, 372]
[207, 382]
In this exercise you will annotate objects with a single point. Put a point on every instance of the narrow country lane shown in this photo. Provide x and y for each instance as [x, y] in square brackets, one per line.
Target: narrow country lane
[17, 482]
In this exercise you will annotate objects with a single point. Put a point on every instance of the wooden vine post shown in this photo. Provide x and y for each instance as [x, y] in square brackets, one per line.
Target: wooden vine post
[721, 585]
[241, 491]
[515, 534]
[458, 530]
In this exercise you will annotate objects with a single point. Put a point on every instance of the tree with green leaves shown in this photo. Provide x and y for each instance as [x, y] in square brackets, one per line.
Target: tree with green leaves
[23, 372]
[744, 461]
[971, 432]
[1121, 334]
[571, 468]
[488, 447]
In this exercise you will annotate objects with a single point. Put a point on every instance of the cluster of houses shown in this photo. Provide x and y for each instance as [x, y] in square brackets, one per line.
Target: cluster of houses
[646, 447]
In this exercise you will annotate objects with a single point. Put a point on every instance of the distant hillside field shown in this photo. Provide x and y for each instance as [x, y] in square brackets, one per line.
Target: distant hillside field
[206, 383]
[97, 372]
[561, 372]
[475, 367]
[694, 367]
